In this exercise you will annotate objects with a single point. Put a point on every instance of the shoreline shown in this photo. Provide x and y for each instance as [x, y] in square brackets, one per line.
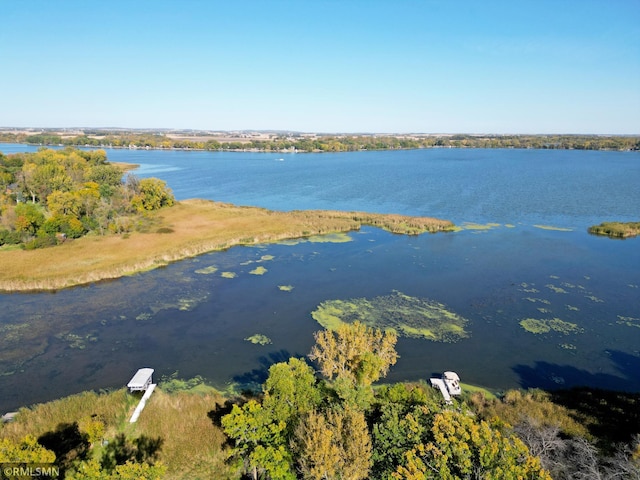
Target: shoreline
[189, 228]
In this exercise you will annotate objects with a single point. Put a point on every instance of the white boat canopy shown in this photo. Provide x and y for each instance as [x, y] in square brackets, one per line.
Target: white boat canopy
[141, 380]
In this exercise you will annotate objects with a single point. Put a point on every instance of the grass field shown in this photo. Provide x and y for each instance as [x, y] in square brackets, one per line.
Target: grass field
[189, 228]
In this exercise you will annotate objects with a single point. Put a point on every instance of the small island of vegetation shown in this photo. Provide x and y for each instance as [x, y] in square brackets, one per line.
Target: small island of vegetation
[616, 229]
[106, 227]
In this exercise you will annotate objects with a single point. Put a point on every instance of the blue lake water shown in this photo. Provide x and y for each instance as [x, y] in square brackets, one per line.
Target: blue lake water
[190, 318]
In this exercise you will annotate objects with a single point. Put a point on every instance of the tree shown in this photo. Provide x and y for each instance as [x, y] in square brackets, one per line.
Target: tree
[29, 218]
[463, 448]
[334, 445]
[290, 391]
[28, 450]
[152, 195]
[355, 355]
[91, 470]
[259, 441]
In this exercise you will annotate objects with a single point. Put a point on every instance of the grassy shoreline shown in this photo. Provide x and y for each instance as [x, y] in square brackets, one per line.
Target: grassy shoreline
[189, 228]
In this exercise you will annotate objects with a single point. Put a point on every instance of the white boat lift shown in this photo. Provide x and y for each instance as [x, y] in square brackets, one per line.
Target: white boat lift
[449, 385]
[141, 382]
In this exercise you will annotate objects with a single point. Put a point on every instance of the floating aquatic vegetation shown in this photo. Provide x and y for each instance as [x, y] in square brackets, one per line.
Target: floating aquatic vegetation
[207, 270]
[593, 298]
[538, 326]
[326, 238]
[544, 310]
[539, 300]
[631, 285]
[478, 226]
[285, 288]
[551, 227]
[528, 288]
[76, 341]
[572, 308]
[568, 285]
[259, 339]
[266, 258]
[628, 321]
[330, 238]
[556, 289]
[144, 316]
[533, 325]
[228, 275]
[568, 346]
[509, 225]
[258, 271]
[555, 277]
[407, 316]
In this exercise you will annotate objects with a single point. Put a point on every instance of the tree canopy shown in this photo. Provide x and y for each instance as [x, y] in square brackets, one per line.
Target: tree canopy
[52, 195]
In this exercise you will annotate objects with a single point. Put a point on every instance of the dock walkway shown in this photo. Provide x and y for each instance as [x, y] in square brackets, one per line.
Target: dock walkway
[143, 402]
[438, 382]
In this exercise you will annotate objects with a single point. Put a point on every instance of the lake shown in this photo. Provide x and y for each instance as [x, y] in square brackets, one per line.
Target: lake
[524, 263]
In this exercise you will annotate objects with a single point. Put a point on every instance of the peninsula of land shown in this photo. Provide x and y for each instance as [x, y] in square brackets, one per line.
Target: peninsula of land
[186, 229]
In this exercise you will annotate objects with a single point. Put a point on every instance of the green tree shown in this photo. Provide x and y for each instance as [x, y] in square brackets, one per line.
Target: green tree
[290, 391]
[259, 441]
[29, 218]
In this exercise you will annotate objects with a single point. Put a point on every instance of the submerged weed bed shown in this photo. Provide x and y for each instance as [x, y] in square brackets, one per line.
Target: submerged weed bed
[407, 316]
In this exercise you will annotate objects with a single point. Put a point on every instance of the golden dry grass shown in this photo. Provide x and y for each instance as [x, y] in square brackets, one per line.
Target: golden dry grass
[197, 226]
[193, 446]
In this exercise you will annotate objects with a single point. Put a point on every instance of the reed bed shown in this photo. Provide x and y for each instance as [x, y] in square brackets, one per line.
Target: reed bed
[196, 226]
[112, 409]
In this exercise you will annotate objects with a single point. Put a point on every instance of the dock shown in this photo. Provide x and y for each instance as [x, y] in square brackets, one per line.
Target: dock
[438, 382]
[141, 382]
[449, 385]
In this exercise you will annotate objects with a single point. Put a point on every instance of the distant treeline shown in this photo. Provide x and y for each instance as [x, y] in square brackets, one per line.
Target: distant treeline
[337, 143]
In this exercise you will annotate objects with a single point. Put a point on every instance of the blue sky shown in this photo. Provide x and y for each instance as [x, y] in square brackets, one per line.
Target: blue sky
[431, 66]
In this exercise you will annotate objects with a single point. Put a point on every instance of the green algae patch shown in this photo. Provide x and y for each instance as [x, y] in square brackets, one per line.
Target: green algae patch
[533, 325]
[551, 227]
[628, 321]
[259, 339]
[540, 326]
[207, 270]
[228, 275]
[285, 288]
[258, 271]
[405, 315]
[556, 289]
[479, 226]
[331, 238]
[326, 238]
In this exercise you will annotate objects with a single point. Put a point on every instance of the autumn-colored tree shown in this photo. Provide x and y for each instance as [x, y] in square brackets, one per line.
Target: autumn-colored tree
[462, 447]
[354, 356]
[92, 470]
[333, 445]
[152, 195]
[28, 450]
